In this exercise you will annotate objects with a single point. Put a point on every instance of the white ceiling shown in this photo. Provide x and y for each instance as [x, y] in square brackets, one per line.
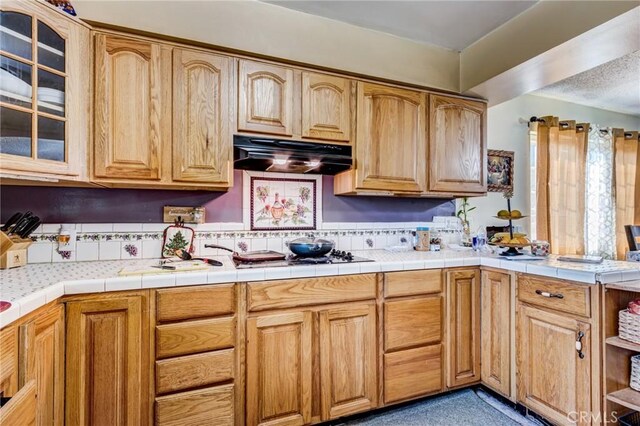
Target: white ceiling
[453, 24]
[614, 86]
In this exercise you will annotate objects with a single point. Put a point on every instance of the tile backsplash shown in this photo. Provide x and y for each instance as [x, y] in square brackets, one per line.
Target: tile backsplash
[110, 241]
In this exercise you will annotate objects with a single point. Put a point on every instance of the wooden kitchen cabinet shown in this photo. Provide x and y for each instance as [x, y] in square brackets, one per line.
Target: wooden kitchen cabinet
[348, 354]
[279, 369]
[553, 380]
[265, 98]
[413, 314]
[132, 100]
[42, 361]
[107, 360]
[457, 145]
[496, 330]
[390, 153]
[463, 292]
[326, 107]
[44, 104]
[202, 117]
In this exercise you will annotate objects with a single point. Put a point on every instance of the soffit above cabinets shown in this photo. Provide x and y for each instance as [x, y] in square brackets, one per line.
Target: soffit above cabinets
[450, 24]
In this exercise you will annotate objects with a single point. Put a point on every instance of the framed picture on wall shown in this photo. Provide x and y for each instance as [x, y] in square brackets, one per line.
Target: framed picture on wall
[499, 171]
[283, 204]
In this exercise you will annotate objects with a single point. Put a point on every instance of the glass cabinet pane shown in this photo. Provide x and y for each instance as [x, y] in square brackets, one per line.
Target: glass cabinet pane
[50, 48]
[50, 139]
[15, 82]
[15, 132]
[15, 34]
[50, 93]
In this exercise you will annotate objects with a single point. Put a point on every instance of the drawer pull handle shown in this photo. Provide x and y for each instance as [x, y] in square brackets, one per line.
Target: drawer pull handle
[579, 344]
[550, 295]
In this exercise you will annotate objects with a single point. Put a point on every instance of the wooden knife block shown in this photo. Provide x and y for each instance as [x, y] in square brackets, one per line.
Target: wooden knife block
[13, 250]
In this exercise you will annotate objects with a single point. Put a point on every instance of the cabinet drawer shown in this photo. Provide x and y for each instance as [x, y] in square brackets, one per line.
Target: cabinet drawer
[412, 373]
[557, 295]
[310, 291]
[192, 337]
[211, 406]
[194, 371]
[177, 304]
[412, 322]
[411, 283]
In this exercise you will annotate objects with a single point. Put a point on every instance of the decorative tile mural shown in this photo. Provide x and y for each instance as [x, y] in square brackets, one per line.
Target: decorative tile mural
[283, 204]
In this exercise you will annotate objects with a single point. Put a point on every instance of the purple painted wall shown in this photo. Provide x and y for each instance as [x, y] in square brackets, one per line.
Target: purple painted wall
[92, 205]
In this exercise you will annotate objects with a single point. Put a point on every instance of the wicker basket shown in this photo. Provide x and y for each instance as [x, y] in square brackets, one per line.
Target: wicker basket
[629, 326]
[634, 381]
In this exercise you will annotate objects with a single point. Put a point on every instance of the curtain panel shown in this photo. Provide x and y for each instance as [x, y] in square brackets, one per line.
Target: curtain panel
[561, 163]
[627, 185]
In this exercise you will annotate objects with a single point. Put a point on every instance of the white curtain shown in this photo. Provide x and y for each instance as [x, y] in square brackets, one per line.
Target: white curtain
[600, 208]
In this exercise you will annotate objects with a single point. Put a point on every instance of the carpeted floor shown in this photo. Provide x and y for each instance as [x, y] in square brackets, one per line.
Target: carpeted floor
[462, 408]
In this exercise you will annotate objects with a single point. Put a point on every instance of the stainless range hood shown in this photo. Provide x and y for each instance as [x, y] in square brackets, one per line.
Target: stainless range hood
[287, 156]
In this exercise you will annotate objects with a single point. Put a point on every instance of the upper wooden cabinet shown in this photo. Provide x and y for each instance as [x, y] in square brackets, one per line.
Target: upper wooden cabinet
[390, 152]
[163, 115]
[326, 107]
[265, 98]
[44, 104]
[201, 117]
[457, 145]
[130, 92]
[463, 287]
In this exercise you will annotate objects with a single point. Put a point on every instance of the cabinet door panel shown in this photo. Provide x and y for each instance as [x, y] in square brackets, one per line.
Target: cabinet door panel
[390, 147]
[201, 117]
[412, 322]
[464, 327]
[496, 331]
[265, 98]
[457, 145]
[128, 108]
[326, 107]
[348, 372]
[552, 379]
[107, 362]
[279, 369]
[42, 360]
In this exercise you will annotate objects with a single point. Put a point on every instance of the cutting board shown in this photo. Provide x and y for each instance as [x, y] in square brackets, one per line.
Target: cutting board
[191, 265]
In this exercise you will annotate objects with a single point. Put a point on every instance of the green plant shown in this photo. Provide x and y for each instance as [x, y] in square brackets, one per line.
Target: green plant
[465, 208]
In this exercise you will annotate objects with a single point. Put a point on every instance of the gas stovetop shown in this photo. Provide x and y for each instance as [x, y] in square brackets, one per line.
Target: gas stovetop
[335, 257]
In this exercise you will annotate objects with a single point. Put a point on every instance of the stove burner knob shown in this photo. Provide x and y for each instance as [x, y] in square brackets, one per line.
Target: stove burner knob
[343, 254]
[348, 257]
[335, 252]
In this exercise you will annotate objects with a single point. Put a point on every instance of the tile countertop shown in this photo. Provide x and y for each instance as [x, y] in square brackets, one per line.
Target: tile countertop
[34, 285]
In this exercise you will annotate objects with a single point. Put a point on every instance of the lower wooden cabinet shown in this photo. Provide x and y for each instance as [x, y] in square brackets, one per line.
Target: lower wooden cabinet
[463, 286]
[210, 406]
[554, 379]
[21, 409]
[107, 365]
[279, 369]
[348, 360]
[412, 373]
[496, 331]
[42, 361]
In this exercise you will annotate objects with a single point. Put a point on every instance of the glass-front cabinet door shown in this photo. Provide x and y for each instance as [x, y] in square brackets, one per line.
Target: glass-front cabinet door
[44, 92]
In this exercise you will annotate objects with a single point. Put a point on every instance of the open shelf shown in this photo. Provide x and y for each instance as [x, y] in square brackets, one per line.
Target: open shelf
[624, 344]
[626, 397]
